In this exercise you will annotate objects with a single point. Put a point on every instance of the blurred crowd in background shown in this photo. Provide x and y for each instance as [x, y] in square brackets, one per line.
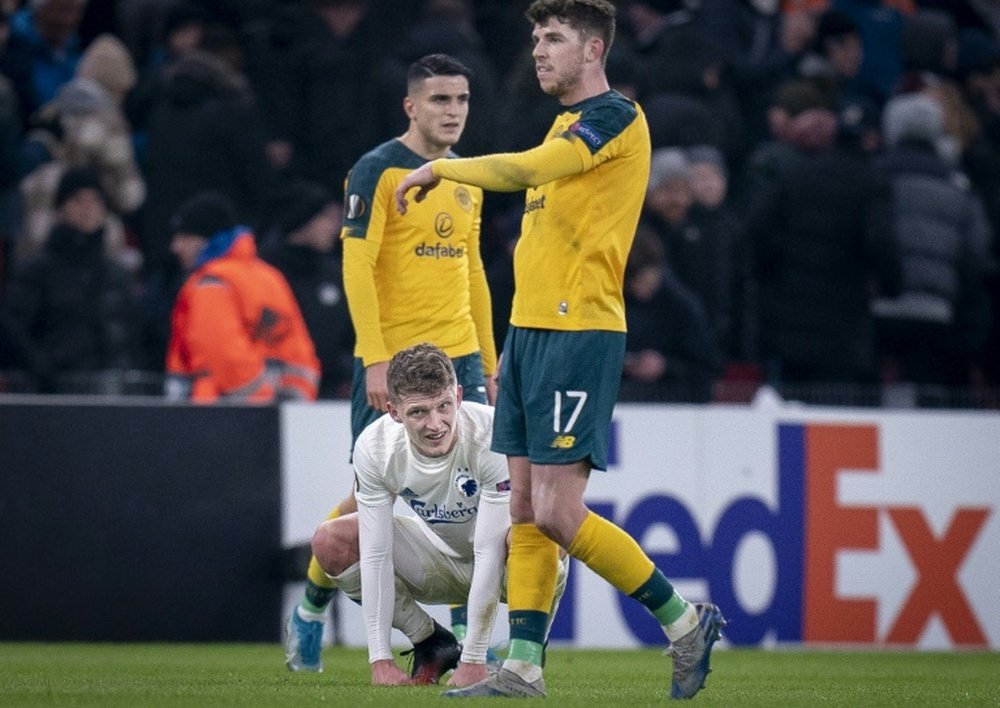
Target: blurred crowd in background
[823, 206]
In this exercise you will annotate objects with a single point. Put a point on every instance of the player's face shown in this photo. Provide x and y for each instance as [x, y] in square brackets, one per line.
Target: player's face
[438, 109]
[559, 52]
[430, 420]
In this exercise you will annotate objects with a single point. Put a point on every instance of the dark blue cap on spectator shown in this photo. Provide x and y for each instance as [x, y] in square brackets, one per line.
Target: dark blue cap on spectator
[76, 179]
[205, 215]
[834, 24]
[299, 204]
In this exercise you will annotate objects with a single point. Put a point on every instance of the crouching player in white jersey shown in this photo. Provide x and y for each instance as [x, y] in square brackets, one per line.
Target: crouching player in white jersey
[433, 451]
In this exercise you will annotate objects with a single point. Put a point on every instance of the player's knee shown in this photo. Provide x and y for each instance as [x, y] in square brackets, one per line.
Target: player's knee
[550, 526]
[335, 545]
[520, 509]
[555, 522]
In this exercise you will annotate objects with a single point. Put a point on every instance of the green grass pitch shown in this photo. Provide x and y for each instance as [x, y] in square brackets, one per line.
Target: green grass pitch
[249, 675]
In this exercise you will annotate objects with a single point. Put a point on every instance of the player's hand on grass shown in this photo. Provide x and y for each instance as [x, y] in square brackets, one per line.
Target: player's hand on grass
[421, 177]
[468, 674]
[386, 673]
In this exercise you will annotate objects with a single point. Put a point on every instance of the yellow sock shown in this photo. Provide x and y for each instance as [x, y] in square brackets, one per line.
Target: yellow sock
[611, 553]
[317, 576]
[531, 586]
[319, 586]
[531, 569]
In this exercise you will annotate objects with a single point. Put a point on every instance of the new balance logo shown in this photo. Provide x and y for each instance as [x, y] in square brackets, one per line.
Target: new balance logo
[563, 442]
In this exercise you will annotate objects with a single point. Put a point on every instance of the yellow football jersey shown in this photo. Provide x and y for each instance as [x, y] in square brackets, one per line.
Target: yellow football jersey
[413, 278]
[576, 233]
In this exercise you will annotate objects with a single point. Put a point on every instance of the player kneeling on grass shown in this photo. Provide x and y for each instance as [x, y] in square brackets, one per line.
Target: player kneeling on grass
[433, 451]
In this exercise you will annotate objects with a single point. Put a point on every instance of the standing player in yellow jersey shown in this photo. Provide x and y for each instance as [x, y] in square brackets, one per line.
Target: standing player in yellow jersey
[565, 348]
[409, 279]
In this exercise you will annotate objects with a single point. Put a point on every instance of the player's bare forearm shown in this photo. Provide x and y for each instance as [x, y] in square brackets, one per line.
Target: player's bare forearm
[492, 385]
[468, 674]
[422, 178]
[386, 673]
[376, 385]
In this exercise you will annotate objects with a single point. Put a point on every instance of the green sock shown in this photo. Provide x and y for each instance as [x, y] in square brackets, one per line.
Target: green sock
[670, 612]
[459, 621]
[526, 650]
[317, 598]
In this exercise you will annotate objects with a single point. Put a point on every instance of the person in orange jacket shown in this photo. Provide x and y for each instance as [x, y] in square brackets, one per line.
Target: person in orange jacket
[237, 333]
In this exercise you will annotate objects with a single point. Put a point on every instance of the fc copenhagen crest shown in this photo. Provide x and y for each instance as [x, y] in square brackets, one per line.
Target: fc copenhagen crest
[466, 484]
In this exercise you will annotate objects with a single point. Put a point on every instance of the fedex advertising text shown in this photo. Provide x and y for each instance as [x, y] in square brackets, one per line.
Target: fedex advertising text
[820, 529]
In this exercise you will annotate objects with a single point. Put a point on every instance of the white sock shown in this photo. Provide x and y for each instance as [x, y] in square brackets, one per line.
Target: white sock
[412, 621]
[525, 669]
[309, 616]
[410, 618]
[682, 625]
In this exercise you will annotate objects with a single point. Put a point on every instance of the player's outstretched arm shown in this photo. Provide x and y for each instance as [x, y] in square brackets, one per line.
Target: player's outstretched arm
[386, 673]
[423, 178]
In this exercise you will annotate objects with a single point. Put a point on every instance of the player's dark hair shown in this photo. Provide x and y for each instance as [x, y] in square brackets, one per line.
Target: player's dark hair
[422, 370]
[595, 18]
[434, 65]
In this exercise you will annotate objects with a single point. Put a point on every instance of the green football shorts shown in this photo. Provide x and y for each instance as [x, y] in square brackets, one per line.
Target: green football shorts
[557, 395]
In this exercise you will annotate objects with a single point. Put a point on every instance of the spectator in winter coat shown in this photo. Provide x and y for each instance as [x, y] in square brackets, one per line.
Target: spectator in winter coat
[760, 45]
[979, 73]
[44, 49]
[85, 126]
[670, 348]
[819, 224]
[237, 332]
[301, 244]
[70, 309]
[834, 60]
[205, 133]
[698, 246]
[12, 167]
[713, 214]
[313, 75]
[935, 330]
